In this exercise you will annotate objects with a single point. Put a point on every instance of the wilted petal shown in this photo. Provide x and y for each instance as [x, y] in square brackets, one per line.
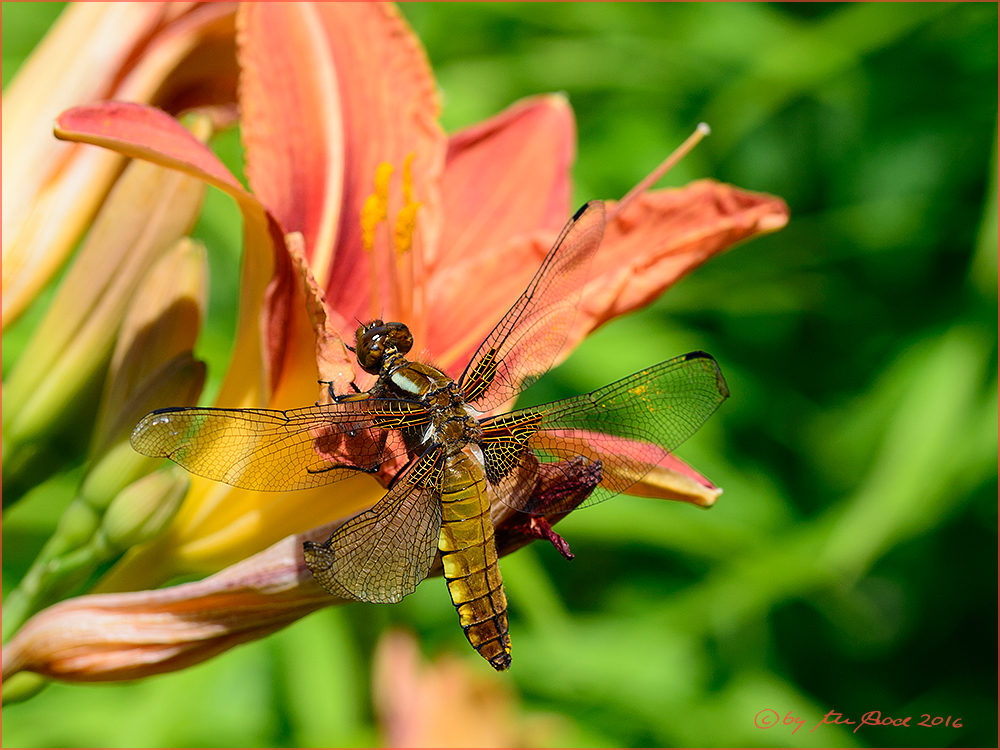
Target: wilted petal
[125, 636]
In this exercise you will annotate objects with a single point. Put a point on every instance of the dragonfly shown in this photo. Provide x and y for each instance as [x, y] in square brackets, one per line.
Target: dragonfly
[456, 454]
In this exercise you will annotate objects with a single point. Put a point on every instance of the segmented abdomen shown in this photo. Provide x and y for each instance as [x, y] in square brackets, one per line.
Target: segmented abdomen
[469, 556]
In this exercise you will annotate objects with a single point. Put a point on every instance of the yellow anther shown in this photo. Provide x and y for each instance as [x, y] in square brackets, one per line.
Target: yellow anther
[376, 205]
[406, 222]
[408, 178]
[382, 175]
[371, 214]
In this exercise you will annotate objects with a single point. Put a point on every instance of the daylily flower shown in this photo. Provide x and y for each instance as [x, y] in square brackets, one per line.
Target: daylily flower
[329, 94]
[444, 703]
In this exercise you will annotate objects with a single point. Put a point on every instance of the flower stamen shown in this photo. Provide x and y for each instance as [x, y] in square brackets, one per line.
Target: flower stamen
[396, 245]
[375, 211]
[665, 166]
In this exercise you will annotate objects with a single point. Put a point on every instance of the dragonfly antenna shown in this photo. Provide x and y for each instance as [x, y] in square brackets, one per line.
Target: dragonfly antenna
[679, 153]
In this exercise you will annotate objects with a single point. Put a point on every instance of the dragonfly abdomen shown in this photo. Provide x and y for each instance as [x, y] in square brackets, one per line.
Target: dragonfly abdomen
[469, 556]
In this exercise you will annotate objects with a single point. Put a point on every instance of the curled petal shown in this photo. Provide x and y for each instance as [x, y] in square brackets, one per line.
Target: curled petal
[266, 285]
[147, 133]
[665, 235]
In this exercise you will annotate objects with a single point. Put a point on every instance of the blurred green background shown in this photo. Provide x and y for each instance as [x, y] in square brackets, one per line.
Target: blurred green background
[851, 563]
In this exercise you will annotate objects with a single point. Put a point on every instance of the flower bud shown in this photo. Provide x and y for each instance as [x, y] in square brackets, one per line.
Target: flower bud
[142, 510]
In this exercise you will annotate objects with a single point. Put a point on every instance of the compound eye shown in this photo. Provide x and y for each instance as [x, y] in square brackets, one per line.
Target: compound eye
[370, 346]
[399, 336]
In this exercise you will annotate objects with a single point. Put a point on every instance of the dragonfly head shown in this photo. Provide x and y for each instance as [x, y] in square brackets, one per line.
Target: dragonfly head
[377, 339]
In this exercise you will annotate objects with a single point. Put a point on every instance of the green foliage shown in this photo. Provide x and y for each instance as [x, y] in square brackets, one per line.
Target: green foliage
[851, 563]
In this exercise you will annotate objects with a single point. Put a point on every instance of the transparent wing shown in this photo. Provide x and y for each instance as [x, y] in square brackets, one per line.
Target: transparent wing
[263, 449]
[525, 342]
[382, 554]
[625, 428]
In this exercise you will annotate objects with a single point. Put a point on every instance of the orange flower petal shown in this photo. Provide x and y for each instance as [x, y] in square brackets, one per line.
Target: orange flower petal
[676, 480]
[507, 176]
[389, 107]
[654, 242]
[664, 235]
[292, 121]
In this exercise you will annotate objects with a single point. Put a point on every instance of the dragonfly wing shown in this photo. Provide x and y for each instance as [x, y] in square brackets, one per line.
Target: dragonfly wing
[263, 449]
[627, 428]
[524, 344]
[382, 554]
